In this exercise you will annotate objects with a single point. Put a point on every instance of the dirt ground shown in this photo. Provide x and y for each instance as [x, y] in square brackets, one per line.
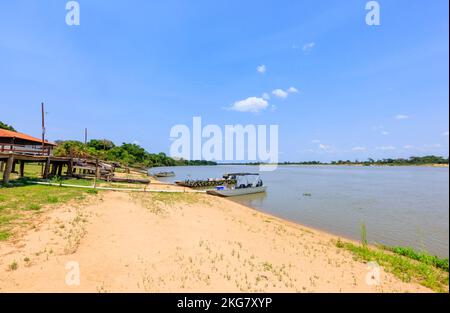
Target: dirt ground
[134, 242]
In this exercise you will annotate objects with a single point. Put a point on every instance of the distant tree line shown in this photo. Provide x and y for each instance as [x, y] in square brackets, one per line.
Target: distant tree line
[128, 154]
[414, 160]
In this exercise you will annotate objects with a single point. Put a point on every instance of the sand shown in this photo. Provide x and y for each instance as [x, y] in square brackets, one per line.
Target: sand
[134, 242]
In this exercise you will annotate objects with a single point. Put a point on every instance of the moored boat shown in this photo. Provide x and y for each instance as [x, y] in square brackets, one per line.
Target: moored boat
[211, 182]
[164, 174]
[241, 187]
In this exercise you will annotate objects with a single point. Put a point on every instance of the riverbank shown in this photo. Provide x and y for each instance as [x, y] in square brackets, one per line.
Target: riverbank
[133, 242]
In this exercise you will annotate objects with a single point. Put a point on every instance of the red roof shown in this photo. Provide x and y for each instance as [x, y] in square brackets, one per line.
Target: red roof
[11, 134]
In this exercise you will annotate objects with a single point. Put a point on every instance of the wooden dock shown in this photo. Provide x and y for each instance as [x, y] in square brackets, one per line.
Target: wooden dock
[52, 165]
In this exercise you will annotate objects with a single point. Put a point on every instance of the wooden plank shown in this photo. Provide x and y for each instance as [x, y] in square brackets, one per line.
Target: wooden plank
[129, 180]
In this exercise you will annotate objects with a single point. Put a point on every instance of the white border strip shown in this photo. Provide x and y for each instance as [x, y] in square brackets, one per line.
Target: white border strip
[116, 189]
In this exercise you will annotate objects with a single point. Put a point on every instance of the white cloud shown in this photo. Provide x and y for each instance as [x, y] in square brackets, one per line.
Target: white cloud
[385, 133]
[261, 69]
[266, 96]
[292, 90]
[401, 117]
[308, 46]
[359, 149]
[386, 148]
[324, 147]
[251, 104]
[280, 93]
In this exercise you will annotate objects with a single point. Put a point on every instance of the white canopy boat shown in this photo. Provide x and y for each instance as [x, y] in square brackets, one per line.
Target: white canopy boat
[242, 186]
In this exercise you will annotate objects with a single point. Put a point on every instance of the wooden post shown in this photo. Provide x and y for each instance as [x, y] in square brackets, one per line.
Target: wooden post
[54, 168]
[14, 167]
[60, 167]
[97, 169]
[8, 169]
[46, 168]
[43, 129]
[70, 166]
[1, 166]
[22, 169]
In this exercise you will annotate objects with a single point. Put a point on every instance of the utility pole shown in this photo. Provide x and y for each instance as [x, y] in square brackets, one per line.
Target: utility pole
[43, 128]
[85, 135]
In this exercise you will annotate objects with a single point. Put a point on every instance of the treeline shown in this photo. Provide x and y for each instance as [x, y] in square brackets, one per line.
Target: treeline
[429, 159]
[128, 154]
[6, 126]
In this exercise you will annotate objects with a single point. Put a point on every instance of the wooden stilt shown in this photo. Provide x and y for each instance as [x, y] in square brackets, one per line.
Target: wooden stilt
[70, 168]
[97, 169]
[22, 169]
[54, 169]
[46, 168]
[8, 169]
[60, 167]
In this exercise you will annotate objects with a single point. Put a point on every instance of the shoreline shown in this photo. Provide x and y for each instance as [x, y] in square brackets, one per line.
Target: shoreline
[181, 242]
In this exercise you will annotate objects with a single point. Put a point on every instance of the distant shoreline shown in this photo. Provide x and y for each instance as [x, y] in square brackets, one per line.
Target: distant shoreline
[329, 164]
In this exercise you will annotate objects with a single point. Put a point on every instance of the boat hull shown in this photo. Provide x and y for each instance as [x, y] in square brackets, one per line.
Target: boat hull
[171, 174]
[237, 192]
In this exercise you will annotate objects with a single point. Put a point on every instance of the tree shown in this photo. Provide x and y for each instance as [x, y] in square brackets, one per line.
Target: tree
[72, 148]
[101, 144]
[6, 126]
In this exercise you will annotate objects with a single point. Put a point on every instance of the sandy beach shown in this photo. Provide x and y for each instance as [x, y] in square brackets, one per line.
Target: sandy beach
[184, 242]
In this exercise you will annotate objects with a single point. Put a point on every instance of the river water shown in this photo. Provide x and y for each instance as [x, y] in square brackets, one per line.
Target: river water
[400, 206]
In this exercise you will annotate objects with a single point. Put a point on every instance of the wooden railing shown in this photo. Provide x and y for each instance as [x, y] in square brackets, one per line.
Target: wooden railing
[20, 149]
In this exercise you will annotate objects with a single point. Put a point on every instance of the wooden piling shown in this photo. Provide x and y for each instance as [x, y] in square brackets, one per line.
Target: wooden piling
[54, 168]
[97, 169]
[70, 168]
[8, 169]
[22, 169]
[46, 168]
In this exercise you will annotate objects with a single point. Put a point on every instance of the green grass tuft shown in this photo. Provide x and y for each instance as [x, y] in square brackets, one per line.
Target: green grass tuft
[422, 257]
[407, 267]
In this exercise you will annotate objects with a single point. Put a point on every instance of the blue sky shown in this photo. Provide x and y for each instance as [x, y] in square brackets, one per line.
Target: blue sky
[133, 69]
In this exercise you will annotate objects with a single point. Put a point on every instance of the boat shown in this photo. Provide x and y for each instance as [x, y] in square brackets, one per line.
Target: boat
[241, 187]
[165, 174]
[210, 182]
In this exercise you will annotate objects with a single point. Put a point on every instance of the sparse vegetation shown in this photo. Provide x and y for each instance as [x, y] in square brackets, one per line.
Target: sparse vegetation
[17, 203]
[13, 266]
[405, 263]
[363, 235]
